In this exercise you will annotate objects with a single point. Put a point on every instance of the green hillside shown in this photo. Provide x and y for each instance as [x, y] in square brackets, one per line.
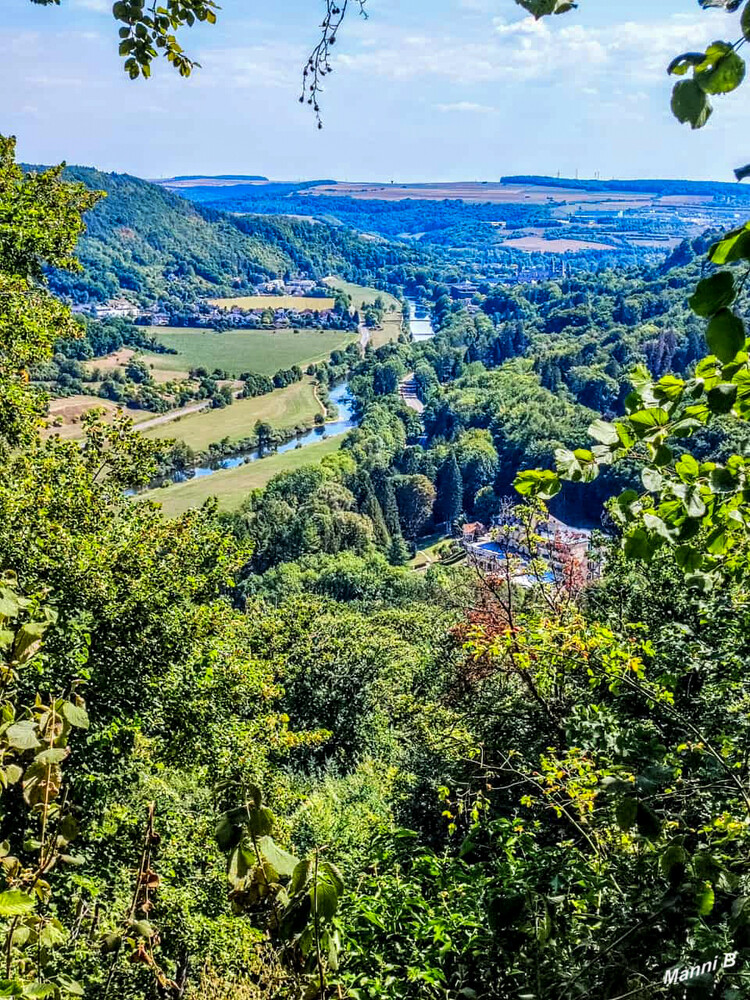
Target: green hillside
[152, 245]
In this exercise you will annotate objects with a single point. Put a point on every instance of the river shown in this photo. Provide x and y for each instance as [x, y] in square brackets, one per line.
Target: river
[420, 323]
[343, 423]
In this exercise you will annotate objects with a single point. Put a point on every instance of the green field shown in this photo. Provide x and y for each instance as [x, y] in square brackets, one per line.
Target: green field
[263, 351]
[362, 296]
[231, 486]
[283, 409]
[298, 302]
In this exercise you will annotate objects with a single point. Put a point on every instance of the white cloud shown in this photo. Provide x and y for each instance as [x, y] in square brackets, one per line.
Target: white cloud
[526, 50]
[465, 106]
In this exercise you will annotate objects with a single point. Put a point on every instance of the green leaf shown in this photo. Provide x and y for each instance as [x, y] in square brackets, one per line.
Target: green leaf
[260, 821]
[688, 558]
[326, 897]
[538, 483]
[725, 335]
[722, 71]
[656, 526]
[648, 823]
[229, 828]
[652, 479]
[638, 545]
[68, 985]
[541, 8]
[690, 104]
[691, 499]
[687, 468]
[626, 812]
[28, 641]
[722, 481]
[721, 398]
[713, 294]
[704, 899]
[300, 876]
[604, 432]
[674, 855]
[644, 422]
[22, 736]
[14, 902]
[111, 942]
[681, 64]
[40, 990]
[142, 928]
[732, 247]
[282, 860]
[54, 755]
[76, 715]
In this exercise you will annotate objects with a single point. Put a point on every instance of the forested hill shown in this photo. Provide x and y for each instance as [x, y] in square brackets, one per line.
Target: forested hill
[153, 245]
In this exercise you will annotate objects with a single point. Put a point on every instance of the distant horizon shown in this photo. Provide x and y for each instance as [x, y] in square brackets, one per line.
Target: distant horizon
[444, 91]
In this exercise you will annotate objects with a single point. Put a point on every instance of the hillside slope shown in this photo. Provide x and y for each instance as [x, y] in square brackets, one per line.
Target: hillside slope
[152, 245]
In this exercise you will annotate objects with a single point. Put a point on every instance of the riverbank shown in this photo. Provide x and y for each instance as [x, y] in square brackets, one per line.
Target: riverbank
[222, 467]
[232, 486]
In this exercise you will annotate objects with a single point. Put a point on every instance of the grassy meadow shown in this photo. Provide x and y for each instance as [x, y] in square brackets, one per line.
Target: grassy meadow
[71, 409]
[283, 409]
[232, 486]
[362, 296]
[297, 302]
[262, 351]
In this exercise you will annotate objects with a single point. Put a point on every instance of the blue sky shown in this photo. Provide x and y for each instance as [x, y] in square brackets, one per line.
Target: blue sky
[425, 90]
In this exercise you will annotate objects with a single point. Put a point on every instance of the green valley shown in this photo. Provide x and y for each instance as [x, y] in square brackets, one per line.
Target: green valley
[374, 555]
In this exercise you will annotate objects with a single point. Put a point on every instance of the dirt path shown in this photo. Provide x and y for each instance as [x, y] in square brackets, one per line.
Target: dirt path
[364, 337]
[408, 392]
[318, 400]
[170, 415]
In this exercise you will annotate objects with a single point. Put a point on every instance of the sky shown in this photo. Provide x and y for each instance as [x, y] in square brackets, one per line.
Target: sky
[423, 90]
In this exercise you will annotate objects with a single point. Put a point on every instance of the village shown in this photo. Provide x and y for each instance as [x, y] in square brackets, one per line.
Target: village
[256, 310]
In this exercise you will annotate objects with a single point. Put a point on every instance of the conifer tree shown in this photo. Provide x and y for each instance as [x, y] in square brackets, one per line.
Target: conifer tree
[374, 511]
[386, 497]
[398, 554]
[450, 489]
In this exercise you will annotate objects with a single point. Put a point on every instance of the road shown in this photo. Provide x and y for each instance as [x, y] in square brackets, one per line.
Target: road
[408, 392]
[170, 415]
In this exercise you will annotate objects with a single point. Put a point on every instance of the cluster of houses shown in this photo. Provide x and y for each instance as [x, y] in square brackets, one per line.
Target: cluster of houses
[299, 286]
[509, 542]
[290, 286]
[123, 309]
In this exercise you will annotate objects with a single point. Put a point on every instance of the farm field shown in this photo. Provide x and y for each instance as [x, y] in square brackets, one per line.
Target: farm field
[298, 302]
[283, 409]
[262, 351]
[539, 245]
[231, 486]
[512, 192]
[362, 296]
[72, 408]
